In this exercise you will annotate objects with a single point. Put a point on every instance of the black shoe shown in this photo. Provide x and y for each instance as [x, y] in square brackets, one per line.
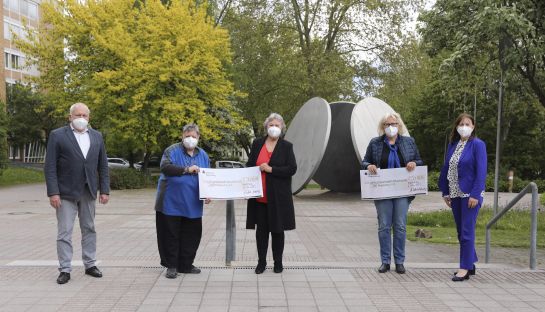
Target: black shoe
[260, 268]
[93, 271]
[385, 267]
[171, 273]
[400, 269]
[471, 271]
[63, 278]
[278, 268]
[192, 270]
[456, 278]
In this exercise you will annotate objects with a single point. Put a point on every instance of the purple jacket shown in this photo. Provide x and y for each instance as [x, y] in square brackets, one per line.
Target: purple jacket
[471, 168]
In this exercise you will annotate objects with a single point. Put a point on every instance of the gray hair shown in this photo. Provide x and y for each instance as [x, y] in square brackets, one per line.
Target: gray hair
[402, 130]
[73, 107]
[272, 117]
[191, 127]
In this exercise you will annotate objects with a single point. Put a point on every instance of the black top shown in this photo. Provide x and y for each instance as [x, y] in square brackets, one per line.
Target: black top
[386, 154]
[280, 211]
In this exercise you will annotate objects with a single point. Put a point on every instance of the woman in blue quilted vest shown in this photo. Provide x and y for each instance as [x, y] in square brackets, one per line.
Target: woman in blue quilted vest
[392, 149]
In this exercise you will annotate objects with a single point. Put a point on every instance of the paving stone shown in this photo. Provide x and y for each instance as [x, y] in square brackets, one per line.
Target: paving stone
[330, 264]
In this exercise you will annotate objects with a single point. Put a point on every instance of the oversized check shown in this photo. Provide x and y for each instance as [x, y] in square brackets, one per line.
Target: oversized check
[393, 183]
[230, 183]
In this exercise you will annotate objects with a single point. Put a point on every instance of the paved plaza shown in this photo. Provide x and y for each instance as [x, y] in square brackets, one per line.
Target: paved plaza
[330, 263]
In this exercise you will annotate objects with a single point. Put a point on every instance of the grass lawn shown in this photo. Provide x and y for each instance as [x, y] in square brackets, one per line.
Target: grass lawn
[17, 175]
[512, 230]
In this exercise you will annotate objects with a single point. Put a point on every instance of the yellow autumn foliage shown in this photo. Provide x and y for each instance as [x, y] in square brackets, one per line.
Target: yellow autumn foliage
[145, 69]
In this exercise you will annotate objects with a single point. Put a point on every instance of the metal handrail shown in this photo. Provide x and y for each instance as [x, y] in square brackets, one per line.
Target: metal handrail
[531, 187]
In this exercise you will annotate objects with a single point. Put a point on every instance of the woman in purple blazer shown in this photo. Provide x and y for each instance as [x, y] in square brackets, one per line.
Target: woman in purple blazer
[462, 182]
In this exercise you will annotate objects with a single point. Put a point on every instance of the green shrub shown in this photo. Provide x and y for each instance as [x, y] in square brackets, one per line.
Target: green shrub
[542, 200]
[518, 183]
[540, 185]
[121, 179]
[502, 183]
[433, 178]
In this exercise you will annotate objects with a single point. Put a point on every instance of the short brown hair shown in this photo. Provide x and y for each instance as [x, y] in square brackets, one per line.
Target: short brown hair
[454, 135]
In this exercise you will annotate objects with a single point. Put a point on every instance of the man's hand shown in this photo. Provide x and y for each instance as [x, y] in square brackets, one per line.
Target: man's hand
[265, 167]
[55, 201]
[372, 169]
[103, 198]
[207, 201]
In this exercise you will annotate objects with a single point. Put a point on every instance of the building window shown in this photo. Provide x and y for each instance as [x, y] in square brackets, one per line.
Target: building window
[13, 61]
[32, 10]
[7, 32]
[12, 28]
[14, 6]
[23, 6]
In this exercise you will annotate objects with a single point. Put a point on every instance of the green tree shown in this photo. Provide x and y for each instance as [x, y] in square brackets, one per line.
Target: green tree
[332, 33]
[509, 32]
[29, 119]
[431, 81]
[287, 51]
[265, 64]
[144, 68]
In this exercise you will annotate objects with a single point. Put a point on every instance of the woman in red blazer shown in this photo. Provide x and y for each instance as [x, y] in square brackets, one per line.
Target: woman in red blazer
[273, 213]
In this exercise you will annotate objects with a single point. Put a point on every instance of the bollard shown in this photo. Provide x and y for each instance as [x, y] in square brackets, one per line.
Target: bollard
[230, 233]
[510, 177]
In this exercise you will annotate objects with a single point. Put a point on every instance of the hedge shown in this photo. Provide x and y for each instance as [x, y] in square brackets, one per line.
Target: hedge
[121, 179]
[518, 183]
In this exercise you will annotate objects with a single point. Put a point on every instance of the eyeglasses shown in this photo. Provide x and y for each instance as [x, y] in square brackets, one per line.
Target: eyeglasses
[393, 124]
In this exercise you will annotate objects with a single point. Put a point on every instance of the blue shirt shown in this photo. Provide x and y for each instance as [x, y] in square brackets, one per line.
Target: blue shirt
[177, 190]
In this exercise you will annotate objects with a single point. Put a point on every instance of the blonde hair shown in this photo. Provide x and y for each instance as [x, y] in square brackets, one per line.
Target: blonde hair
[402, 130]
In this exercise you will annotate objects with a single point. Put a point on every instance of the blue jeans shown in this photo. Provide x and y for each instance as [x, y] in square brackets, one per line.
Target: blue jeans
[392, 213]
[466, 219]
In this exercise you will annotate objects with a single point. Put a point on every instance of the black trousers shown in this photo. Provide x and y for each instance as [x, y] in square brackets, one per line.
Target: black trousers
[262, 236]
[178, 239]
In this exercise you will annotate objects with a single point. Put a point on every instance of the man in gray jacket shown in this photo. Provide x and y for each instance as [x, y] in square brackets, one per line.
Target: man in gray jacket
[76, 166]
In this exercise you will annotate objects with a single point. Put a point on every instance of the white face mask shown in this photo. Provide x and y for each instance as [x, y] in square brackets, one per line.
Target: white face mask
[190, 142]
[274, 132]
[391, 131]
[80, 123]
[464, 131]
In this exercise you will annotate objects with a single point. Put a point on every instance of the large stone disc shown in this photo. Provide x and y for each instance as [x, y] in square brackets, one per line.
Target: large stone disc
[364, 123]
[309, 133]
[340, 169]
